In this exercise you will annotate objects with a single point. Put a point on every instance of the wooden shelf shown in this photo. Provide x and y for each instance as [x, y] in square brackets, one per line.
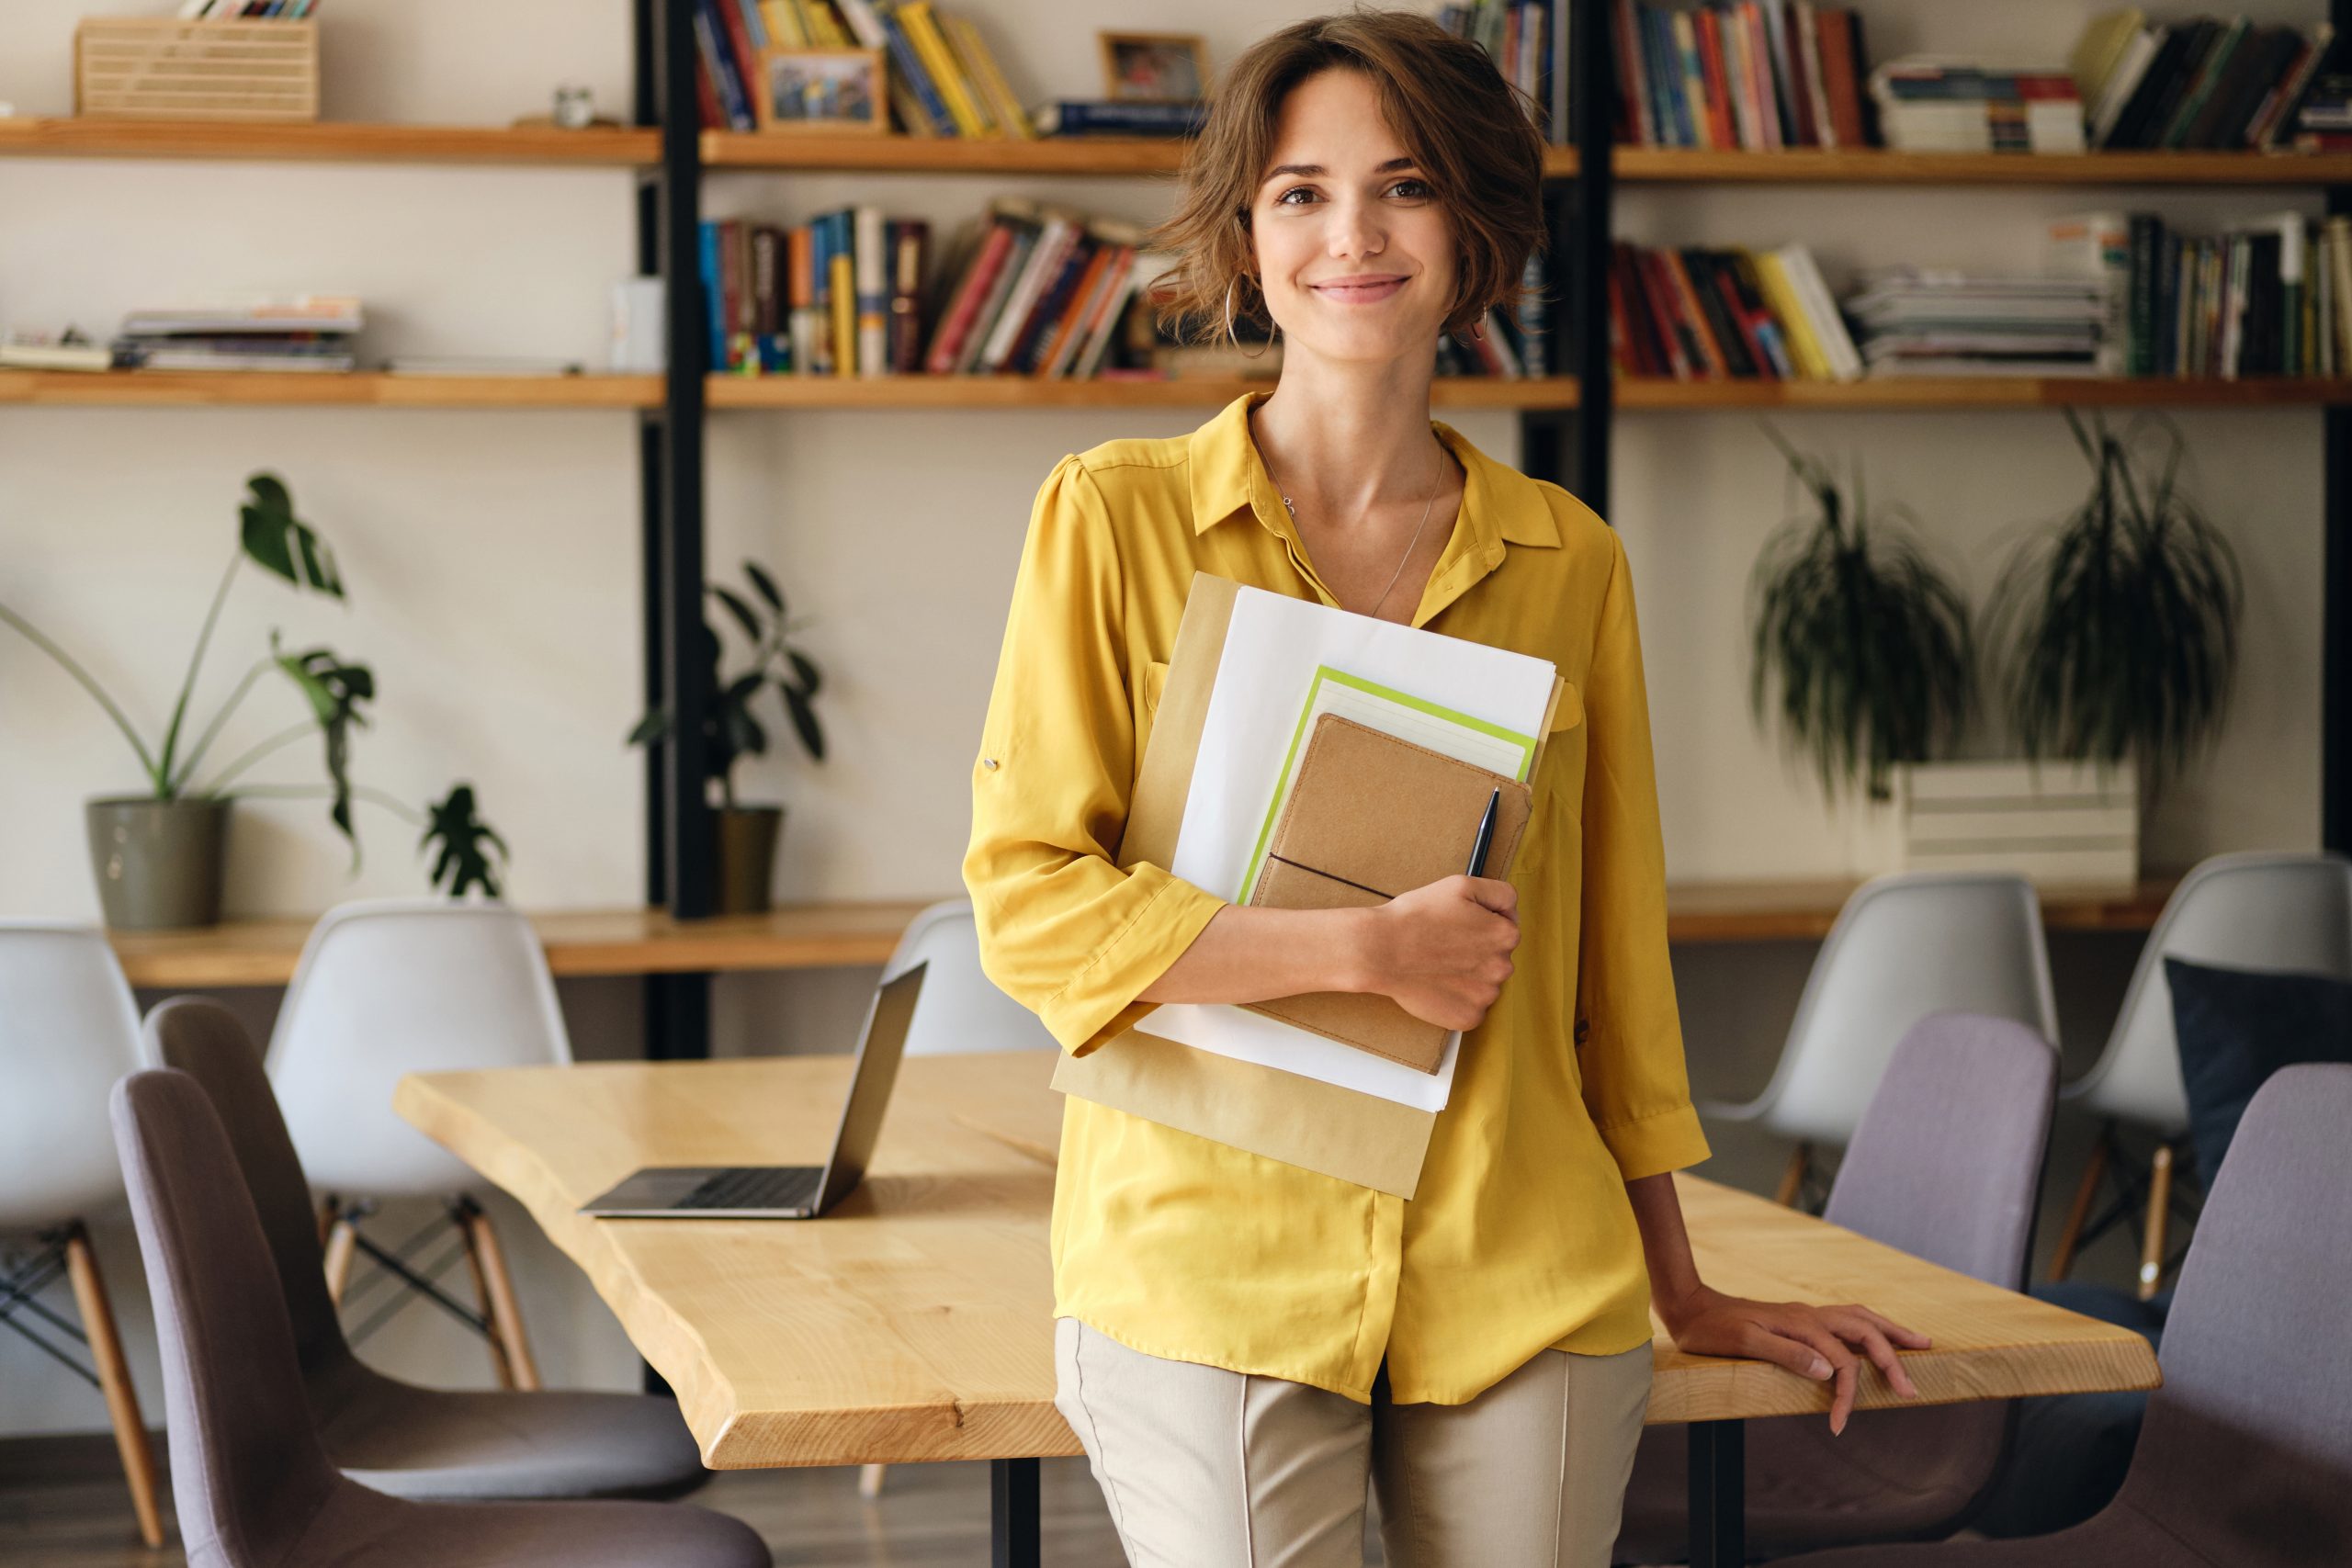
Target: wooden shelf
[818, 936]
[1804, 911]
[1873, 166]
[327, 142]
[156, 389]
[1653, 394]
[259, 389]
[1102, 157]
[1028, 392]
[579, 942]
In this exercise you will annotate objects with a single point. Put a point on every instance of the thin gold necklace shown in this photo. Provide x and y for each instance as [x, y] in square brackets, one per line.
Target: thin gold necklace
[1437, 477]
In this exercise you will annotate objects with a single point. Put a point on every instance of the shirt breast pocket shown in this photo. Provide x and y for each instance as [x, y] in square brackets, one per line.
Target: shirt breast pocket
[1559, 785]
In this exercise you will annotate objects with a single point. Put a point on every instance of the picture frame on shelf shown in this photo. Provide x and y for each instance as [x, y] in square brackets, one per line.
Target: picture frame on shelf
[803, 90]
[1154, 68]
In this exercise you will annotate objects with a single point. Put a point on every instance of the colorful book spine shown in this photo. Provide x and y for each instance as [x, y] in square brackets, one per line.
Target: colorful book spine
[845, 315]
[873, 284]
[980, 64]
[922, 31]
[904, 59]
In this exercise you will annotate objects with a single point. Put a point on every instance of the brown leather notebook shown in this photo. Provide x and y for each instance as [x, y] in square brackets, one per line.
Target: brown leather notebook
[1371, 817]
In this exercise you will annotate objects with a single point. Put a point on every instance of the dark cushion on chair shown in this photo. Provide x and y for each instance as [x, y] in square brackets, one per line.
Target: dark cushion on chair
[2238, 1026]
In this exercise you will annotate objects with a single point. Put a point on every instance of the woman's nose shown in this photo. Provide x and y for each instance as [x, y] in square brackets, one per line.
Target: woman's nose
[1356, 229]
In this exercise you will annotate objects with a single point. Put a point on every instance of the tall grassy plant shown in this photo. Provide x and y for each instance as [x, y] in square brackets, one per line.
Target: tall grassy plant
[2122, 621]
[1860, 647]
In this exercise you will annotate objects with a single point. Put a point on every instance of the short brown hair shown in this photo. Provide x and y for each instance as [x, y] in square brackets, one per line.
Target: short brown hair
[1473, 134]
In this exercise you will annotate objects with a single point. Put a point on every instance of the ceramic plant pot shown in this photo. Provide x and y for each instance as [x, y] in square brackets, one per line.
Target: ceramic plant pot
[158, 862]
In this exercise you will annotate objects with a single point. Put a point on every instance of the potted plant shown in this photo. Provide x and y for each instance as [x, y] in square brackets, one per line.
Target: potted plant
[1861, 645]
[2122, 621]
[732, 730]
[158, 854]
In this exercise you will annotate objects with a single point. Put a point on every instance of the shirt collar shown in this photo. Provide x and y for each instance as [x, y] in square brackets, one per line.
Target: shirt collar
[1228, 477]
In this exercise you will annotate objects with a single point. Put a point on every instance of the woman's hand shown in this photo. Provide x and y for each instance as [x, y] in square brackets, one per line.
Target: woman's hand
[1813, 1342]
[1443, 951]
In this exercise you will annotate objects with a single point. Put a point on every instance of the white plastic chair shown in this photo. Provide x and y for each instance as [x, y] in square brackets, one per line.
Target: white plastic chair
[961, 1009]
[2279, 912]
[68, 1030]
[394, 986]
[1903, 946]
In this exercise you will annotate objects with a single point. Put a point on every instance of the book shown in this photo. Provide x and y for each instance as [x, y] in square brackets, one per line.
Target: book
[923, 32]
[981, 66]
[1089, 116]
[871, 265]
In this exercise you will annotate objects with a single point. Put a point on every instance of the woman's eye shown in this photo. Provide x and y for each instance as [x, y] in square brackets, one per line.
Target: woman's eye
[1412, 190]
[1285, 199]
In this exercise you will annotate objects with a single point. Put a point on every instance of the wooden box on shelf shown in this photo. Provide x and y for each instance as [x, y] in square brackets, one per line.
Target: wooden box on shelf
[157, 68]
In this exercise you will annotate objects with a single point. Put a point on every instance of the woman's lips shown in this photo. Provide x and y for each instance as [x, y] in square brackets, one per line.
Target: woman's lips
[1358, 291]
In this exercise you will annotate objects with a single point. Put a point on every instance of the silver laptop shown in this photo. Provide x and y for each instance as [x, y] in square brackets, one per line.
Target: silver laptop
[786, 1192]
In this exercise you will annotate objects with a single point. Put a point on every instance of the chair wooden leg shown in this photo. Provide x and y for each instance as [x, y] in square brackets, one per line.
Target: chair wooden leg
[499, 1304]
[462, 1215]
[1792, 1192]
[2061, 1261]
[2152, 1245]
[869, 1479]
[341, 1241]
[114, 1382]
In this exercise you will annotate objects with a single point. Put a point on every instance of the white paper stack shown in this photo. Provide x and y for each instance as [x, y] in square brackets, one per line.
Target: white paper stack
[1275, 648]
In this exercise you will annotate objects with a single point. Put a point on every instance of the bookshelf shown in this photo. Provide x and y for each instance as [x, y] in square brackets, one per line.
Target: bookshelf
[1567, 420]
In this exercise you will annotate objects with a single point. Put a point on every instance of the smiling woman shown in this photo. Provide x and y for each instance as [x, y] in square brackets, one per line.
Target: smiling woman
[1243, 1344]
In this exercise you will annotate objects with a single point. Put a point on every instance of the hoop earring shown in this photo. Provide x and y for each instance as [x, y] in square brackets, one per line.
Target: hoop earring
[1233, 337]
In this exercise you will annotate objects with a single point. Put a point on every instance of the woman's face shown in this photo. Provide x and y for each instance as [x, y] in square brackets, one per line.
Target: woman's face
[1355, 255]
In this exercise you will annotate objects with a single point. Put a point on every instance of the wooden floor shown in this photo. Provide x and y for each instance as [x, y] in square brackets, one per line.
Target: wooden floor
[62, 1505]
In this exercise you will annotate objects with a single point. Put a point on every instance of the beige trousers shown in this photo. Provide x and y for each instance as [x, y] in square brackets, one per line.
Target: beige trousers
[1203, 1468]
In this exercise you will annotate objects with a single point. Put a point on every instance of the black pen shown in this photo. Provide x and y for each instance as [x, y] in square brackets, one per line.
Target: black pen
[1486, 836]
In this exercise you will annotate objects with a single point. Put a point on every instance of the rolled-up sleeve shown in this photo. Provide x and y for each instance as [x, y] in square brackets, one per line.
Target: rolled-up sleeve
[1063, 929]
[1629, 1033]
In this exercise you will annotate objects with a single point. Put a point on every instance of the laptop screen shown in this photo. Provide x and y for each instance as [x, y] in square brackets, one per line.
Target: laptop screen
[878, 1050]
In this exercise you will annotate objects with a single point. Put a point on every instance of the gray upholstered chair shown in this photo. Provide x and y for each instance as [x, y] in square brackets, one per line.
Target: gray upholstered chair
[251, 1482]
[1945, 1164]
[2245, 1458]
[392, 1436]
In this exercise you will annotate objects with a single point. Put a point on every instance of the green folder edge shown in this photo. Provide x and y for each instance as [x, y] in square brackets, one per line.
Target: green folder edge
[1526, 744]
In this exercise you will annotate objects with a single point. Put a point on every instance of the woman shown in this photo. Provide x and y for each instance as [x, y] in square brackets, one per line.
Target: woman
[1240, 1341]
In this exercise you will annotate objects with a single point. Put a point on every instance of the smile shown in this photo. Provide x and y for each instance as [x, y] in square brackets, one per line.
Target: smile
[1359, 291]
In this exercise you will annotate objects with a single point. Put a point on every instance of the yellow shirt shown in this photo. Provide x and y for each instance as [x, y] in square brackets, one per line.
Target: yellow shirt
[1519, 1237]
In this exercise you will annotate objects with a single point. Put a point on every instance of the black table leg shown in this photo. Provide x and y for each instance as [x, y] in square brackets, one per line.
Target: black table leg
[1013, 1514]
[1718, 1495]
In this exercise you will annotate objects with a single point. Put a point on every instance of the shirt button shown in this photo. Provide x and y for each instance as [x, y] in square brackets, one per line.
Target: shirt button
[989, 762]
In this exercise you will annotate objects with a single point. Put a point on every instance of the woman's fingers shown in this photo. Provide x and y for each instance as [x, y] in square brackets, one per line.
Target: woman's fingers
[1910, 1339]
[1854, 1325]
[1762, 1343]
[1848, 1373]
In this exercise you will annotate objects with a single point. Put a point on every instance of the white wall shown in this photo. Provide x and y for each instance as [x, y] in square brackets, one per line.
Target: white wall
[492, 563]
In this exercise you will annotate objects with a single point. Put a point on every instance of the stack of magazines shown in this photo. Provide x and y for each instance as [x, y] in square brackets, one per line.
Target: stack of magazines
[1933, 321]
[314, 332]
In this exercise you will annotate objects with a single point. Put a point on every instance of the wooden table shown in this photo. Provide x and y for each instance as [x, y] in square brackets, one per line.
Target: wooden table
[914, 1322]
[808, 936]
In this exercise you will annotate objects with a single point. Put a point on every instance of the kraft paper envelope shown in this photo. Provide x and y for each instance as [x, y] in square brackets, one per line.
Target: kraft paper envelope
[1341, 1132]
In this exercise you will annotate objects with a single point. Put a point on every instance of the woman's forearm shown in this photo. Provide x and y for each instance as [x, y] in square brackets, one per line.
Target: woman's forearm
[1248, 954]
[1666, 1248]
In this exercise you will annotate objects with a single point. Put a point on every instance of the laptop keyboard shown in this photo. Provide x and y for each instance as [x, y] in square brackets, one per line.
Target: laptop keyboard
[754, 1188]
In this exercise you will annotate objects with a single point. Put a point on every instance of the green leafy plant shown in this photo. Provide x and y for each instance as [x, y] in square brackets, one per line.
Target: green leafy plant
[2121, 619]
[731, 729]
[335, 691]
[1860, 644]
